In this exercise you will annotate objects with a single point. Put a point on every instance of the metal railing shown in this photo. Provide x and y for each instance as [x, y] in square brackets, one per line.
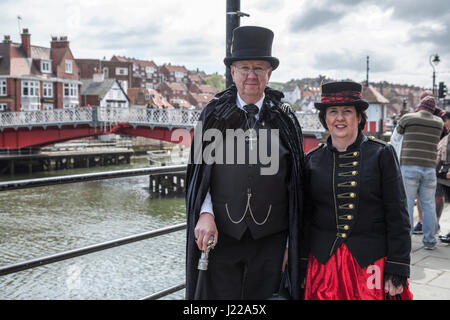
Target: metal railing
[38, 262]
[102, 116]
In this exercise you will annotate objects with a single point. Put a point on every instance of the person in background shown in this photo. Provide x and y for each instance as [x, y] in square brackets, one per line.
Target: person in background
[443, 174]
[440, 113]
[357, 233]
[421, 133]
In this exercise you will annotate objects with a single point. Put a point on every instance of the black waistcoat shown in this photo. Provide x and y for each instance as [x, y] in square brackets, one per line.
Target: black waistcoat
[243, 196]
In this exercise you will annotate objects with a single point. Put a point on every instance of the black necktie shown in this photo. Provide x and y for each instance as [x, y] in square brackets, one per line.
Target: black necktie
[252, 111]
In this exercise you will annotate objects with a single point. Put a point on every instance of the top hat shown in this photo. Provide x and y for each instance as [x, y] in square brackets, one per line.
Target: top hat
[343, 93]
[252, 43]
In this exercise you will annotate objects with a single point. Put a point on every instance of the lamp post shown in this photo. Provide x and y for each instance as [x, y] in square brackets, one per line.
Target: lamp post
[233, 20]
[434, 61]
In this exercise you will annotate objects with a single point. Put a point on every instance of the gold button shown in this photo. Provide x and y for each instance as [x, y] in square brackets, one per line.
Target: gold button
[351, 206]
[355, 163]
[346, 227]
[355, 154]
[354, 173]
[344, 235]
[353, 183]
[352, 195]
[349, 217]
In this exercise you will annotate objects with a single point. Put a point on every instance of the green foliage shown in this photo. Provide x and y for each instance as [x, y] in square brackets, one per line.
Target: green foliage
[217, 81]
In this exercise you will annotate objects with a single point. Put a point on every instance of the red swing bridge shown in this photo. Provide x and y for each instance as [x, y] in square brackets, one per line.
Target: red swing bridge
[40, 128]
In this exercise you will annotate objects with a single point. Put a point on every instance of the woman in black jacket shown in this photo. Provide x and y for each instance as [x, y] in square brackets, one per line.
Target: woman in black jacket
[357, 243]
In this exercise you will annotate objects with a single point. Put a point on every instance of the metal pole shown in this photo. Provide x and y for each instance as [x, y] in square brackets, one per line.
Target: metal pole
[367, 72]
[434, 82]
[232, 22]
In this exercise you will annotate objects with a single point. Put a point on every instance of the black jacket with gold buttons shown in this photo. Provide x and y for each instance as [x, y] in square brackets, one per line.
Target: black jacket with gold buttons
[357, 197]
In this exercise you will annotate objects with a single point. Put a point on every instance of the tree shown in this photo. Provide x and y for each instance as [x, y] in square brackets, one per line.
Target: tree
[217, 81]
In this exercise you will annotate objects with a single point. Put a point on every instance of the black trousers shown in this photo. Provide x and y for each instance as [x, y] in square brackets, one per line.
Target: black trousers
[244, 269]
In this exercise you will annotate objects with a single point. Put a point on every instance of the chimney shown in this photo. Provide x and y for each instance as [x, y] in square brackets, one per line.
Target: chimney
[26, 45]
[98, 76]
[60, 42]
[7, 39]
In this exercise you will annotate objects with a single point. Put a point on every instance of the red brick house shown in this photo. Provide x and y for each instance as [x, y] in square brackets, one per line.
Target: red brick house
[171, 73]
[148, 97]
[144, 72]
[174, 92]
[199, 100]
[38, 78]
[122, 71]
[202, 88]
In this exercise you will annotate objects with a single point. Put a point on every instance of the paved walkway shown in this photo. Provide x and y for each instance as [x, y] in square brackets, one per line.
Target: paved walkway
[430, 269]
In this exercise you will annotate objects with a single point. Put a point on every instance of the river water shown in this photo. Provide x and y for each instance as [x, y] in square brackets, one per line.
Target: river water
[42, 221]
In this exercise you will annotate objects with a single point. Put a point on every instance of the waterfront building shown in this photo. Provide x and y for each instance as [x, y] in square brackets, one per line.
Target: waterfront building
[38, 78]
[103, 92]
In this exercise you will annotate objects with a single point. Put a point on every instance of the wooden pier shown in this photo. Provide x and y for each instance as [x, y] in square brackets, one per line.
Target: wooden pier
[167, 184]
[29, 163]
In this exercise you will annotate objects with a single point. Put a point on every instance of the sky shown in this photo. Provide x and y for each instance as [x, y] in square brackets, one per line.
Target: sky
[331, 38]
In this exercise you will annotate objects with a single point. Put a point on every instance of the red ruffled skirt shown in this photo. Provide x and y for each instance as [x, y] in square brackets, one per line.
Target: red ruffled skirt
[341, 278]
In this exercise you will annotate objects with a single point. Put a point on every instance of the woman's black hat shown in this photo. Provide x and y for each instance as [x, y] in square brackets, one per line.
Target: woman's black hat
[252, 43]
[342, 93]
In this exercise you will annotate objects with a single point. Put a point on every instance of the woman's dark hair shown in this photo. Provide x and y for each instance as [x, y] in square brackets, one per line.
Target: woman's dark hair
[362, 124]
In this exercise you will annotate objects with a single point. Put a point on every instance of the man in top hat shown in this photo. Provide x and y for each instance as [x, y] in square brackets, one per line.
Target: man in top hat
[253, 215]
[421, 134]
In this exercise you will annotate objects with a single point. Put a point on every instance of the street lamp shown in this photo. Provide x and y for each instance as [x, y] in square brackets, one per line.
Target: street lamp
[434, 61]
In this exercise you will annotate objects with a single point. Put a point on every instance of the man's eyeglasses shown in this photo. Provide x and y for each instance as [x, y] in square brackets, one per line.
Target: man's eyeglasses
[245, 71]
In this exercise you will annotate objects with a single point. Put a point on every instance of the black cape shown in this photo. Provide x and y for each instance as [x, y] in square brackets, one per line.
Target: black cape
[222, 113]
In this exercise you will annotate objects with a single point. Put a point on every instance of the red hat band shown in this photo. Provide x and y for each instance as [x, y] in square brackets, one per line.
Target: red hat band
[341, 97]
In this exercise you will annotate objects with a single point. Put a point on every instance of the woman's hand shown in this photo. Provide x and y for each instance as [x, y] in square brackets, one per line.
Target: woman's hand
[391, 289]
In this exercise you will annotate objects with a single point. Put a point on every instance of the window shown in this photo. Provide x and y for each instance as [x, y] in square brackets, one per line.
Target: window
[47, 106]
[105, 73]
[46, 66]
[3, 87]
[2, 107]
[71, 90]
[121, 71]
[48, 89]
[30, 88]
[30, 107]
[69, 66]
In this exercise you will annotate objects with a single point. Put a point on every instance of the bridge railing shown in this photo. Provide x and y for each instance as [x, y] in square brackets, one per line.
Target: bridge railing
[46, 117]
[134, 116]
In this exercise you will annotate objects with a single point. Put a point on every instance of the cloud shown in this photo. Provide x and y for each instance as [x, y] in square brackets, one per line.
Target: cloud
[312, 18]
[353, 61]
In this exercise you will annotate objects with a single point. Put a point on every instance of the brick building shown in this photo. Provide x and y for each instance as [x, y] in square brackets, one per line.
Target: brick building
[144, 73]
[38, 78]
[148, 97]
[175, 92]
[172, 73]
[122, 71]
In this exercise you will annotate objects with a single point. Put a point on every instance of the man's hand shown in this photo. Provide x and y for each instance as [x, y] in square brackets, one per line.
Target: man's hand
[206, 226]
